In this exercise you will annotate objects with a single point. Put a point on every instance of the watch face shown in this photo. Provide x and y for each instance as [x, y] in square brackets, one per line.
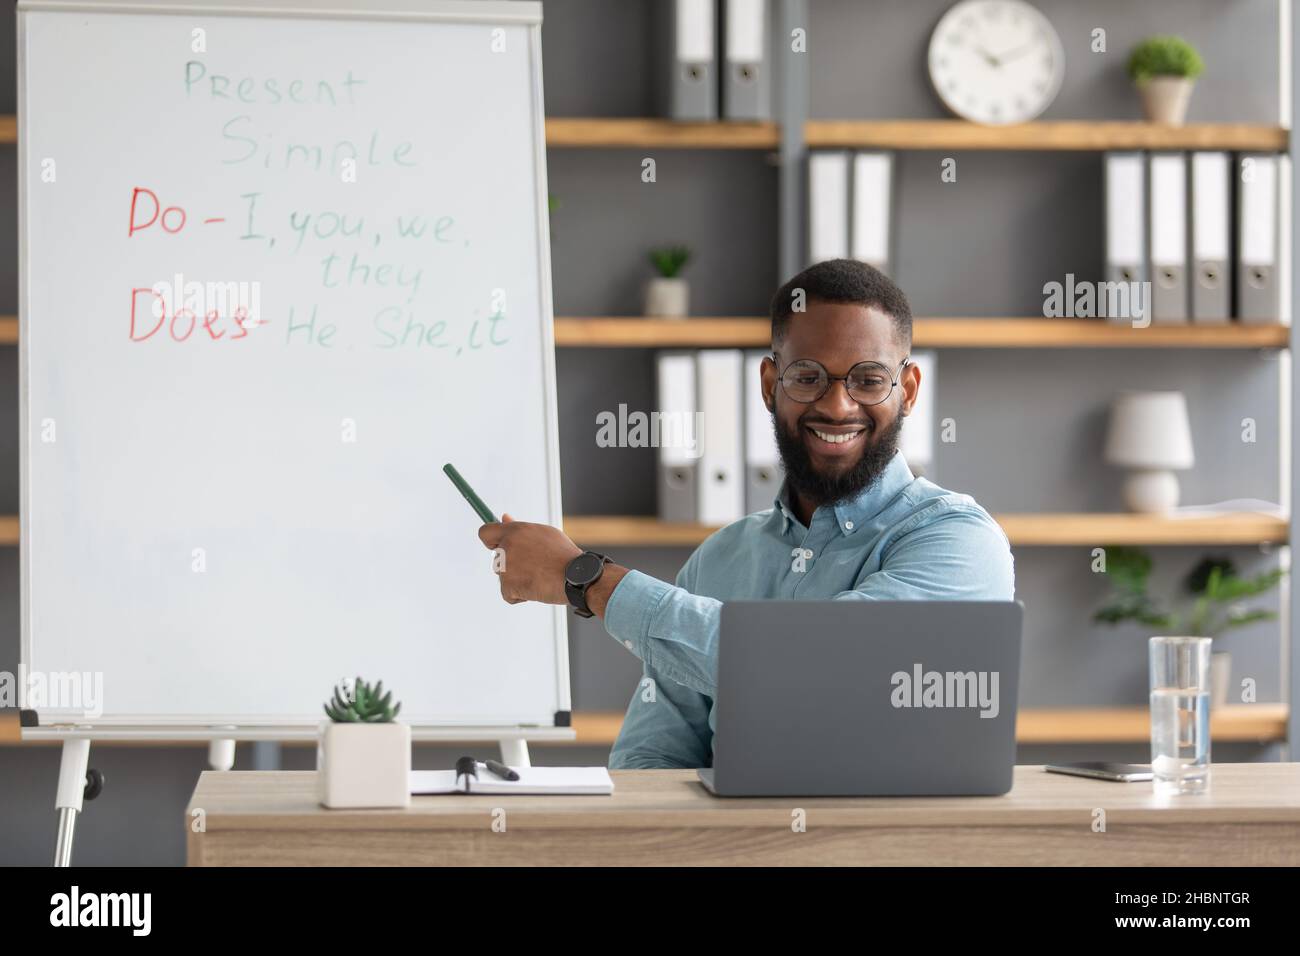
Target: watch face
[583, 569]
[996, 61]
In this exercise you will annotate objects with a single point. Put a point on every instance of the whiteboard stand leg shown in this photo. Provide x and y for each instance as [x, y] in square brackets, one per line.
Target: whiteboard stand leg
[221, 754]
[514, 753]
[72, 787]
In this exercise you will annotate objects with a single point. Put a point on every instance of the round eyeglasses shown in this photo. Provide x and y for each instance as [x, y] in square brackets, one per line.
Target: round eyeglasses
[868, 383]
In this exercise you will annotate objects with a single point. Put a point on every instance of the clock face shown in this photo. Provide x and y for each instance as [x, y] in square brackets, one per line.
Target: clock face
[996, 61]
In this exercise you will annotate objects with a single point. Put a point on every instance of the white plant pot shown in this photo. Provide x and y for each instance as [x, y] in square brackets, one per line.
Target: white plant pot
[1165, 99]
[1220, 678]
[364, 765]
[667, 298]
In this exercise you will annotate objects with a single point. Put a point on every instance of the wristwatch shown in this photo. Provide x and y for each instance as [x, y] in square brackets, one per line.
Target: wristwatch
[579, 574]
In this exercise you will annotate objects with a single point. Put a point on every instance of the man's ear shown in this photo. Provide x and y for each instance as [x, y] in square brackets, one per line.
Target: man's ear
[911, 385]
[768, 372]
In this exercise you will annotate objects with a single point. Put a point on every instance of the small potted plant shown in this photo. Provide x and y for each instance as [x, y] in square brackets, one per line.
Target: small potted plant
[1216, 593]
[668, 294]
[1164, 68]
[364, 755]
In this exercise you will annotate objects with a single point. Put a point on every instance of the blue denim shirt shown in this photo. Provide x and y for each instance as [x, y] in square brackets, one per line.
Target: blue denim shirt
[904, 538]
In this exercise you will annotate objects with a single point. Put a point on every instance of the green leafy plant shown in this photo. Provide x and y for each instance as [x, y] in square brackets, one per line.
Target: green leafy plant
[1164, 56]
[1215, 590]
[361, 703]
[670, 261]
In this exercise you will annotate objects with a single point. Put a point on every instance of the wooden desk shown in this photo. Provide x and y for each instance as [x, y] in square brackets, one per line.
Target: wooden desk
[666, 818]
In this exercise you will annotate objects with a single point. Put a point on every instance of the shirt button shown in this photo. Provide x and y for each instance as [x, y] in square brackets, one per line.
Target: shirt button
[807, 553]
[628, 645]
[848, 525]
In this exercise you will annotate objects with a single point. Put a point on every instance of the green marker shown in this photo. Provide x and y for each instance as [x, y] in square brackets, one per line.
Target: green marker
[474, 500]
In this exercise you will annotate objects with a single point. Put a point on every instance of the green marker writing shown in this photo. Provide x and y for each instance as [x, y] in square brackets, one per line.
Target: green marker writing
[475, 502]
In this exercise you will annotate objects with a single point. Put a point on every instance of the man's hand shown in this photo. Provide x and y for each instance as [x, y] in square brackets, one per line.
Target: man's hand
[535, 558]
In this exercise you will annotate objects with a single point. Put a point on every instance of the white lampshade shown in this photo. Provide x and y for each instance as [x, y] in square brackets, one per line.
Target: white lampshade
[1149, 430]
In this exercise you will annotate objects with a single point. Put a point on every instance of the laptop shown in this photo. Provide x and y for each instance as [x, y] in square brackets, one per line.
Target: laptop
[866, 698]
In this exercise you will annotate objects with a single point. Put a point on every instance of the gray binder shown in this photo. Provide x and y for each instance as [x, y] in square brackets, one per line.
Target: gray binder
[1210, 202]
[1257, 239]
[763, 472]
[677, 478]
[687, 87]
[1125, 189]
[1167, 218]
[747, 75]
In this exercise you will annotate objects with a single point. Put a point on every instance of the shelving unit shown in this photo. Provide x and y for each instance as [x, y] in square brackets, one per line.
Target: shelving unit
[1080, 135]
[1243, 723]
[797, 132]
[972, 333]
[1082, 529]
[791, 135]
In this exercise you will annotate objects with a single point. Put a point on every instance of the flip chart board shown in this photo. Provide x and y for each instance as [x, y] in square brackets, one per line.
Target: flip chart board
[280, 264]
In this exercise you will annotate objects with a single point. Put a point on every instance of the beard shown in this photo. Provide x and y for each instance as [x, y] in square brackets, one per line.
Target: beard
[879, 448]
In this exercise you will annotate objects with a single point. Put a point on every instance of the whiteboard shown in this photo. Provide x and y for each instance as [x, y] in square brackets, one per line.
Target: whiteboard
[230, 504]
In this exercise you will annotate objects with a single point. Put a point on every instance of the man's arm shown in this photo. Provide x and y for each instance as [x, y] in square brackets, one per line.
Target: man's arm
[960, 554]
[667, 725]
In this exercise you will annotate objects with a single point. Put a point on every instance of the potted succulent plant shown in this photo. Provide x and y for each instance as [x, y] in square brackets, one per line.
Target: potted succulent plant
[364, 755]
[668, 294]
[1216, 593]
[1164, 69]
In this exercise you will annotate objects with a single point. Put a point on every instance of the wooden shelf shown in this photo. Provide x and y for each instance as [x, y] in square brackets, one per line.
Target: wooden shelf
[636, 132]
[719, 332]
[1239, 722]
[1062, 135]
[1090, 529]
[1009, 333]
[628, 132]
[610, 332]
[1047, 528]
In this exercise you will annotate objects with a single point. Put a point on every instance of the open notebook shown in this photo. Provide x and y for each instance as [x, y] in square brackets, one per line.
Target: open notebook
[531, 780]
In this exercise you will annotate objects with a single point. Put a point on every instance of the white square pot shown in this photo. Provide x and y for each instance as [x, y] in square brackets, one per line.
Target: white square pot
[364, 765]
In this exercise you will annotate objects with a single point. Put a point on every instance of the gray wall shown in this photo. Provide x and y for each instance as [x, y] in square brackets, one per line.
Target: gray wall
[1029, 423]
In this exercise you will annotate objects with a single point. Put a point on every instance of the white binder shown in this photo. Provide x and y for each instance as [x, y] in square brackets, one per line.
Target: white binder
[828, 206]
[916, 441]
[1211, 200]
[1257, 244]
[873, 177]
[721, 466]
[747, 82]
[1168, 217]
[679, 437]
[688, 84]
[762, 459]
[1125, 188]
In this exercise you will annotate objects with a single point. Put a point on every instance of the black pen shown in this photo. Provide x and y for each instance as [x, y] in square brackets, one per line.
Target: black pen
[501, 770]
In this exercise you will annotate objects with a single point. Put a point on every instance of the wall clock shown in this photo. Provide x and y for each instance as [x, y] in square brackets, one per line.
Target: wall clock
[996, 61]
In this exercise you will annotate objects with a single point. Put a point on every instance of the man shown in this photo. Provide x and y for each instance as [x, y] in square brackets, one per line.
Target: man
[851, 521]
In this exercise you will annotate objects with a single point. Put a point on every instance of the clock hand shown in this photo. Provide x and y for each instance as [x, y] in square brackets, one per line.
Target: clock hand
[1018, 51]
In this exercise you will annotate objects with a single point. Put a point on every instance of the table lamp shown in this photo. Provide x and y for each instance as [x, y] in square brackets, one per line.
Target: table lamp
[1150, 434]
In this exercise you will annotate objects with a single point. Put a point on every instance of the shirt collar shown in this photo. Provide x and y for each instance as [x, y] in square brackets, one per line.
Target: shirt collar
[854, 513]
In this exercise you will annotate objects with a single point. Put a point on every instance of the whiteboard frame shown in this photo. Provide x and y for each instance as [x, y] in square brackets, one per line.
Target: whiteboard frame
[527, 13]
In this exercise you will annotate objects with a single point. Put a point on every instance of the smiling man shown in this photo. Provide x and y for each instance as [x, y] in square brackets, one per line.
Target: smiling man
[851, 521]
